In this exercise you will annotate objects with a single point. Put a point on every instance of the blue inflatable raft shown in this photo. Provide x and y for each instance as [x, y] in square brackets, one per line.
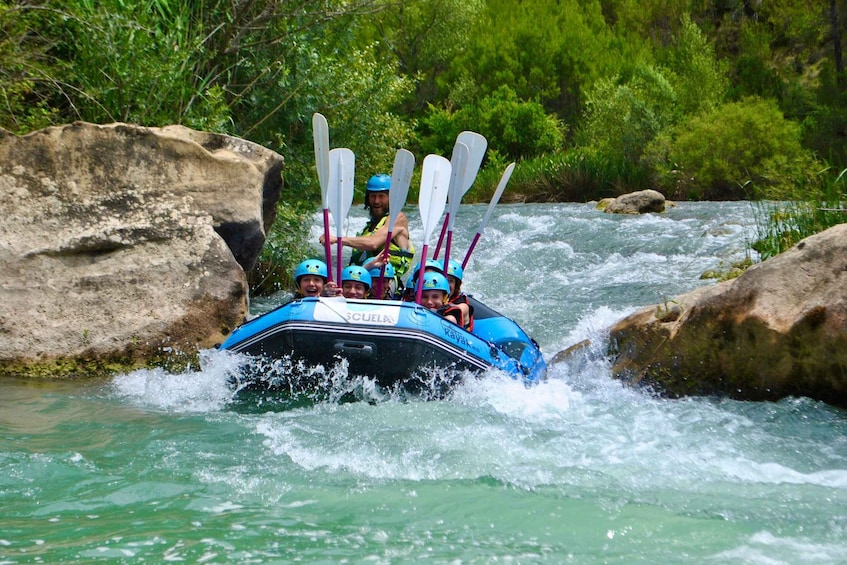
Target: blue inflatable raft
[389, 341]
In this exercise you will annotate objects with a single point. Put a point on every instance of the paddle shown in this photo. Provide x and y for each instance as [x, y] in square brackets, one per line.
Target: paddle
[458, 163]
[401, 177]
[476, 151]
[435, 181]
[342, 166]
[320, 131]
[494, 200]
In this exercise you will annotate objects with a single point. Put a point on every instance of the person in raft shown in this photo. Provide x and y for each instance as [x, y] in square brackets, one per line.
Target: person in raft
[389, 284]
[355, 282]
[310, 276]
[432, 266]
[370, 242]
[436, 289]
[454, 276]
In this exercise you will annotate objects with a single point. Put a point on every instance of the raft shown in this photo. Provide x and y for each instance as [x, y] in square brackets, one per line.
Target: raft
[390, 341]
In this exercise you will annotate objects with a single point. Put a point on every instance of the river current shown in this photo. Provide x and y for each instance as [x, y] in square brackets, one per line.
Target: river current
[157, 467]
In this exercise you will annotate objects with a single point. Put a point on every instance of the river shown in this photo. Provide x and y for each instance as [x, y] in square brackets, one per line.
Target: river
[155, 467]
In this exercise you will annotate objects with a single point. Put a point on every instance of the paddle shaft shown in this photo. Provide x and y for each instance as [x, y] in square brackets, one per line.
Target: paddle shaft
[401, 177]
[421, 273]
[320, 132]
[327, 246]
[435, 179]
[504, 180]
[470, 250]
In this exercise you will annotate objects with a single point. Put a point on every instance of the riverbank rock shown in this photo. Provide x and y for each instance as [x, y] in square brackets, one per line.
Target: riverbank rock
[780, 329]
[120, 244]
[640, 202]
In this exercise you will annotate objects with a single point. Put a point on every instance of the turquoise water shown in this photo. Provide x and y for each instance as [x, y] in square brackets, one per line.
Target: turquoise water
[156, 467]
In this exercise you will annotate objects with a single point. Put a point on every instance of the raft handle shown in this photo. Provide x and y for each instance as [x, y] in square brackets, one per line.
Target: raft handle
[361, 349]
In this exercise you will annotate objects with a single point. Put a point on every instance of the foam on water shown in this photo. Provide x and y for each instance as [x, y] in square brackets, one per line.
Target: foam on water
[201, 390]
[578, 468]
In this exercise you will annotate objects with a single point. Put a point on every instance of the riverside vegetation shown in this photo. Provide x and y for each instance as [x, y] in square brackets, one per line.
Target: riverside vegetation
[698, 99]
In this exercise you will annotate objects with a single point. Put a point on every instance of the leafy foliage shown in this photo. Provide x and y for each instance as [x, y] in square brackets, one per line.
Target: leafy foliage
[740, 150]
[549, 51]
[517, 129]
[25, 69]
[594, 97]
[422, 38]
[622, 117]
[697, 77]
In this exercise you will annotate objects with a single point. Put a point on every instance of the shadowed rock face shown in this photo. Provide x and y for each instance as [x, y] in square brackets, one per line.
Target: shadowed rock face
[778, 330]
[118, 241]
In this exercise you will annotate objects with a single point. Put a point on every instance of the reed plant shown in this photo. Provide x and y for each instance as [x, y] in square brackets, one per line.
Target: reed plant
[781, 225]
[578, 175]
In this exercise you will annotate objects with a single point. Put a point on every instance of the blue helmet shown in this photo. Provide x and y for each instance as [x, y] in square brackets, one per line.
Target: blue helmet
[378, 183]
[430, 264]
[310, 267]
[454, 268]
[389, 271]
[436, 281]
[356, 273]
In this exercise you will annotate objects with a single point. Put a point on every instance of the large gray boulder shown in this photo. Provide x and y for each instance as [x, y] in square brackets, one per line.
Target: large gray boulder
[639, 202]
[780, 329]
[122, 244]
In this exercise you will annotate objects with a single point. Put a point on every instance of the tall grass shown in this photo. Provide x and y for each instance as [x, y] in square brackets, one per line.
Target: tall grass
[781, 225]
[578, 175]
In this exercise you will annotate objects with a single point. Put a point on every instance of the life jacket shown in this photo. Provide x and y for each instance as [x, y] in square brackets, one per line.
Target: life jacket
[400, 258]
[452, 310]
[462, 298]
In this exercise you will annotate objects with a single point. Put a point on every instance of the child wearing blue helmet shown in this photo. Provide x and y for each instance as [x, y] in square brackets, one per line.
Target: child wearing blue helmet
[434, 296]
[355, 282]
[390, 289]
[412, 284]
[310, 276]
[454, 274]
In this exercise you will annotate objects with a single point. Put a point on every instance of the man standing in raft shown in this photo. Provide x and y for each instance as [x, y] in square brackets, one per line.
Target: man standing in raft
[370, 242]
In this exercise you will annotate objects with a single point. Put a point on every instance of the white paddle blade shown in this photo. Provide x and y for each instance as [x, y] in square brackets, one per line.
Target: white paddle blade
[342, 167]
[435, 181]
[507, 174]
[477, 144]
[458, 162]
[320, 130]
[401, 178]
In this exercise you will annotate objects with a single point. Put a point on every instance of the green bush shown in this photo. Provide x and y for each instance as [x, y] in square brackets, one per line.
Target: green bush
[623, 116]
[515, 128]
[740, 150]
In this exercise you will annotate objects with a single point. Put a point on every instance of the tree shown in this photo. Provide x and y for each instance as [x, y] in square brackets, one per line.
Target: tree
[698, 78]
[421, 38]
[513, 128]
[549, 51]
[623, 116]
